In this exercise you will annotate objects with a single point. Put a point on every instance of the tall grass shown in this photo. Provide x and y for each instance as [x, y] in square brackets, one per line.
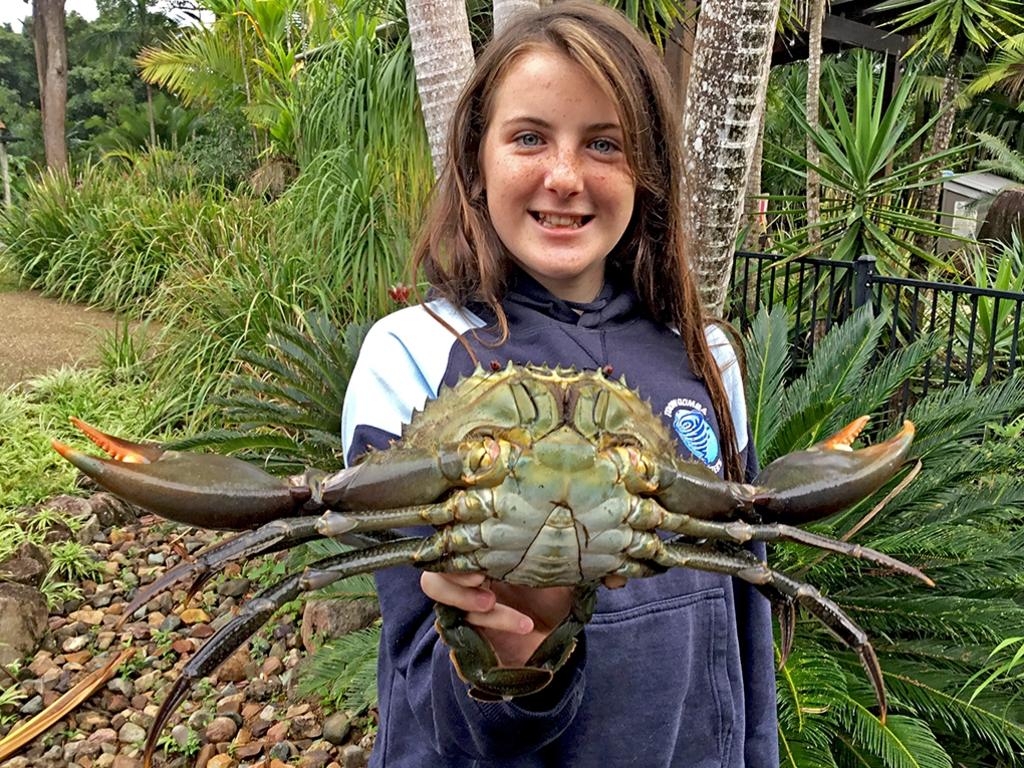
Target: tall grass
[218, 269]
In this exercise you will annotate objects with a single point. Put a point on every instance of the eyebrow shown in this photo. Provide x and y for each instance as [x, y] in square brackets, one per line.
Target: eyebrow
[545, 124]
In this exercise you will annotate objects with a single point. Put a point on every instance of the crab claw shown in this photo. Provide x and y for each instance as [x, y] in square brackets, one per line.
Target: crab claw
[829, 476]
[206, 490]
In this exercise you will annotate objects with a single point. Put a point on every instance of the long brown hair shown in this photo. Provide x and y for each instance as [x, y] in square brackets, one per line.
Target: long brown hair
[458, 249]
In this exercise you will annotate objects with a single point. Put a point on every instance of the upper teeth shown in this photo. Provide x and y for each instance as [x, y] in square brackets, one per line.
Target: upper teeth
[557, 220]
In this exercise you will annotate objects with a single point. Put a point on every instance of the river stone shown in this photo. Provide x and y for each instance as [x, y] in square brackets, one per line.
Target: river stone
[334, 618]
[337, 727]
[27, 565]
[23, 615]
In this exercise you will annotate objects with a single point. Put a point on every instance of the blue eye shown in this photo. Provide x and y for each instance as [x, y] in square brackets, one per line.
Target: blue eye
[604, 146]
[528, 139]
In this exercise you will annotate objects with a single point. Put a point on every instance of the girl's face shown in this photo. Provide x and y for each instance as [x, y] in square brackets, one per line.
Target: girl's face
[559, 189]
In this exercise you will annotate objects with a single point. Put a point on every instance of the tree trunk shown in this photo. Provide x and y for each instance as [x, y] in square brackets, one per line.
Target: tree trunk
[752, 220]
[443, 56]
[942, 134]
[724, 102]
[52, 70]
[679, 51]
[817, 11]
[506, 10]
[150, 116]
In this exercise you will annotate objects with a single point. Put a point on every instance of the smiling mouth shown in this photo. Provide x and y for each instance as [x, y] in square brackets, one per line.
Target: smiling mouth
[559, 221]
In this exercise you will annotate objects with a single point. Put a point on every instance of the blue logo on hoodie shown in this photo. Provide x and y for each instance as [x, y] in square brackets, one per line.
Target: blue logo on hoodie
[693, 429]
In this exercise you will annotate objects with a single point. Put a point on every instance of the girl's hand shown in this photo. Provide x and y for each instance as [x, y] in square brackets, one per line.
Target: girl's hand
[515, 620]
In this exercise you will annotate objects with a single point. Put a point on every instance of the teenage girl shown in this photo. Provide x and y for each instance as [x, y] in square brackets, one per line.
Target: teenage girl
[556, 237]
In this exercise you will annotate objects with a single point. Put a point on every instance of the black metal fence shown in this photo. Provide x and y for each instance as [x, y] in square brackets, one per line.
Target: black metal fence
[979, 329]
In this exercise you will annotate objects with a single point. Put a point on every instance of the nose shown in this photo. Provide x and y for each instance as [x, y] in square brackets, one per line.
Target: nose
[564, 176]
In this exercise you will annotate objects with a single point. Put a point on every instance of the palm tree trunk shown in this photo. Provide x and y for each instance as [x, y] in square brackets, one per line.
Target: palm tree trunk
[506, 10]
[724, 102]
[817, 12]
[942, 134]
[751, 220]
[443, 55]
[150, 116]
[52, 69]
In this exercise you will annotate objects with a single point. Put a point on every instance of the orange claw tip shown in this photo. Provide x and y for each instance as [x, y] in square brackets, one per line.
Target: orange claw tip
[844, 437]
[121, 450]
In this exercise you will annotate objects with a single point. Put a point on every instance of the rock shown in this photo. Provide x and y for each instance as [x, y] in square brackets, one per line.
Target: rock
[180, 735]
[230, 704]
[236, 668]
[221, 761]
[195, 616]
[104, 736]
[353, 757]
[272, 666]
[207, 752]
[278, 731]
[221, 729]
[87, 616]
[234, 588]
[282, 750]
[73, 644]
[124, 761]
[89, 531]
[111, 511]
[337, 728]
[199, 719]
[146, 682]
[122, 686]
[130, 733]
[27, 565]
[32, 707]
[23, 615]
[315, 759]
[333, 618]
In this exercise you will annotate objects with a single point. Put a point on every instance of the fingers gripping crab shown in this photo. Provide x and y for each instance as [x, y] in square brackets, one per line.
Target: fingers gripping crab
[533, 476]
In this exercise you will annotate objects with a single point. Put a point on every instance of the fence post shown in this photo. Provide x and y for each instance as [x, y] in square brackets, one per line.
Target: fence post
[863, 270]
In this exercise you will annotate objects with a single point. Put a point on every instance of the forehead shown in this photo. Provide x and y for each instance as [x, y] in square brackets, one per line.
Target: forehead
[539, 71]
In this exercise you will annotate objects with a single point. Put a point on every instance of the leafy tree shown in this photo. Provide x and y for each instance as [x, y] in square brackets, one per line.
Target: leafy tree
[950, 28]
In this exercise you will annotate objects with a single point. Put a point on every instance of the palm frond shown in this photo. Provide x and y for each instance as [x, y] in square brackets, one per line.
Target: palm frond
[768, 358]
[344, 671]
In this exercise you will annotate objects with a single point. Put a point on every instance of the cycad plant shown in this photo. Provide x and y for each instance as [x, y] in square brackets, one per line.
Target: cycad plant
[955, 511]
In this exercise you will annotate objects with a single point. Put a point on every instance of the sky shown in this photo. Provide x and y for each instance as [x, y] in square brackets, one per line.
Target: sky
[13, 11]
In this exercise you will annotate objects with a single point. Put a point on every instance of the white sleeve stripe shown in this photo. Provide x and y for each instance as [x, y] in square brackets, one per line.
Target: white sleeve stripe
[401, 365]
[732, 380]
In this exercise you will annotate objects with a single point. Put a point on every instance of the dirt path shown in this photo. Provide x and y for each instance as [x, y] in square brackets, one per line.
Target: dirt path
[38, 334]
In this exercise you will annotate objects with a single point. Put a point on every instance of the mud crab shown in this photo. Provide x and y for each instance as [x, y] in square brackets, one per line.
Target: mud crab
[534, 476]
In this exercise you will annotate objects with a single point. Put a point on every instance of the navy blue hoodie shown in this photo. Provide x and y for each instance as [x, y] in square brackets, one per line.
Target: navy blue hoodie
[675, 670]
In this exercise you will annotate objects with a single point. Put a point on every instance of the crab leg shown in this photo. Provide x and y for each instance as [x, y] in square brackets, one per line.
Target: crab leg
[258, 611]
[272, 537]
[214, 491]
[750, 569]
[647, 514]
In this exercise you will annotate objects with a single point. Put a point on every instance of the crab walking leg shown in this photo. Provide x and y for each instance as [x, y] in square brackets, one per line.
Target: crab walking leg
[272, 537]
[752, 570]
[648, 515]
[258, 611]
